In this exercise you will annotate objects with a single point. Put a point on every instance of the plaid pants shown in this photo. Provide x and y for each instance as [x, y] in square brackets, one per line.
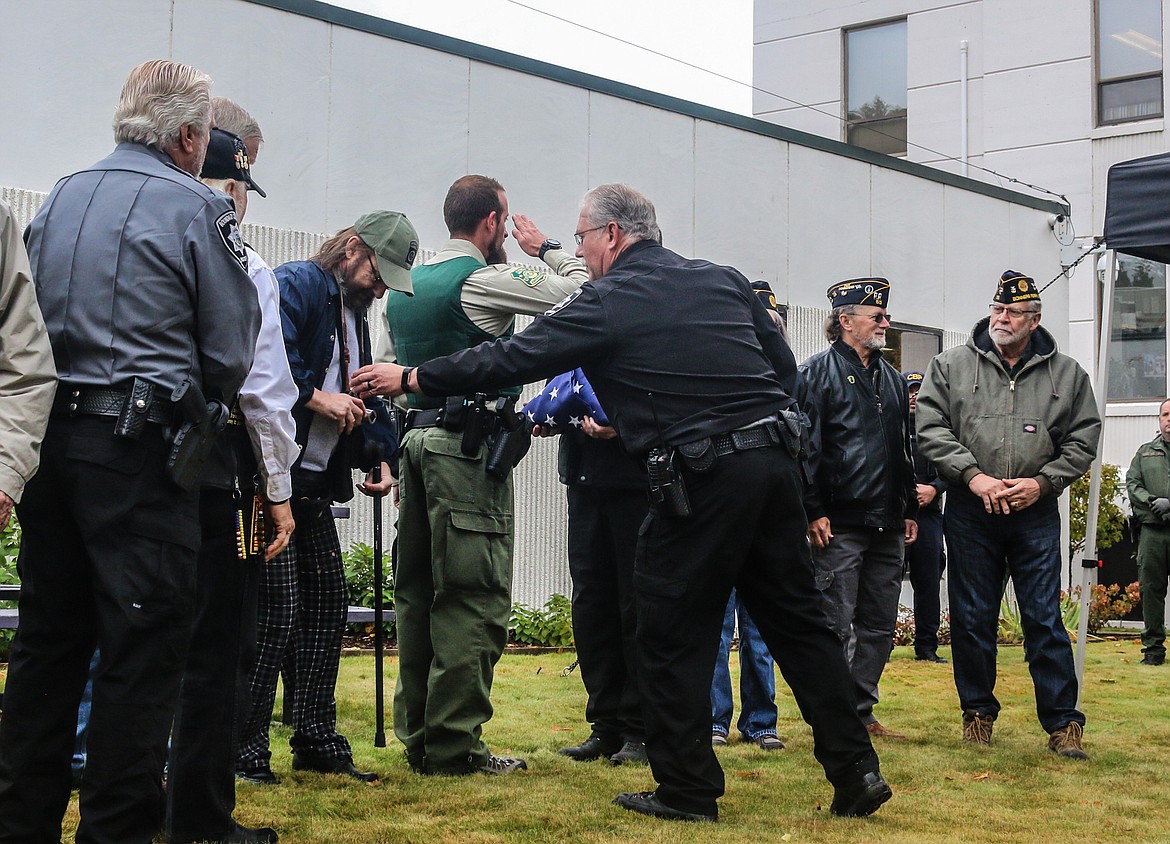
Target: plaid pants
[302, 615]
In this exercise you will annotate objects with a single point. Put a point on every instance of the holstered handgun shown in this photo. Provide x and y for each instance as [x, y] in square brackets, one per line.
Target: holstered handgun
[197, 424]
[511, 442]
[667, 489]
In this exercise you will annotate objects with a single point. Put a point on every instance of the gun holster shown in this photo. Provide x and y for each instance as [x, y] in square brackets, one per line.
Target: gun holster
[197, 424]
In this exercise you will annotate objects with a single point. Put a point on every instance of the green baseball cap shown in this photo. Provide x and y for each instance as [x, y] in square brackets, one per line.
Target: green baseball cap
[395, 243]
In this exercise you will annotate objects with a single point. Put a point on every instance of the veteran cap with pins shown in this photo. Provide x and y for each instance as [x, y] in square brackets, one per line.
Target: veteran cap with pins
[764, 293]
[1015, 287]
[227, 158]
[395, 243]
[860, 291]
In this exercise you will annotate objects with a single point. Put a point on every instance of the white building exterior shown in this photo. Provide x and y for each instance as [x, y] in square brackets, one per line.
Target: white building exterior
[360, 113]
[1049, 92]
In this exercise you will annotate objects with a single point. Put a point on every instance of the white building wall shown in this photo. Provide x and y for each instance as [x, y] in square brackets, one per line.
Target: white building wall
[356, 120]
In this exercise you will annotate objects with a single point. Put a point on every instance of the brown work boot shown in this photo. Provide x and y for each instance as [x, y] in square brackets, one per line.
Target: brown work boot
[977, 728]
[875, 729]
[1067, 741]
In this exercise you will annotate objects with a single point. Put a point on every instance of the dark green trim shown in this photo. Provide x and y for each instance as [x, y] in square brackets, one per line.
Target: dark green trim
[512, 61]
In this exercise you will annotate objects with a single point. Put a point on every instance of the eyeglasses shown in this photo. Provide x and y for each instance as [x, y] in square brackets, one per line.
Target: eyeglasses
[374, 270]
[1014, 313]
[580, 236]
[878, 318]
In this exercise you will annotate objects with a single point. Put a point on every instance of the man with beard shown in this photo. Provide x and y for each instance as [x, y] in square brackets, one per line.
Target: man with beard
[694, 376]
[861, 503]
[1009, 422]
[452, 590]
[323, 303]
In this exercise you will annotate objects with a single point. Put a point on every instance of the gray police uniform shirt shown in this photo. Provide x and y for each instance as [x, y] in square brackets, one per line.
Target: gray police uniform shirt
[141, 272]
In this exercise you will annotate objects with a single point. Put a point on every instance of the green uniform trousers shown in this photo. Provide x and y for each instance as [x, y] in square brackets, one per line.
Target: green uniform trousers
[1153, 554]
[452, 597]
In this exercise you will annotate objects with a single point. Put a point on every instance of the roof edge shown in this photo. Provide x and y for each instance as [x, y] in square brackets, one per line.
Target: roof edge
[327, 13]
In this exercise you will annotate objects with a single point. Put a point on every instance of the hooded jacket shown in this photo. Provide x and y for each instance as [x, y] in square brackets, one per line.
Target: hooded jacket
[974, 417]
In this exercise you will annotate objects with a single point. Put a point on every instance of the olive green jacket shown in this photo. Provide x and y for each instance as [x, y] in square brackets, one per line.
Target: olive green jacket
[1149, 478]
[974, 418]
[28, 376]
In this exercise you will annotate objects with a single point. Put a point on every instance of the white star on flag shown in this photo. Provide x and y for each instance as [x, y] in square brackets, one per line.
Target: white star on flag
[575, 421]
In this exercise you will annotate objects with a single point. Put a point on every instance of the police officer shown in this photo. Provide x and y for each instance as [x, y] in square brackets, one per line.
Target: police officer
[243, 508]
[695, 376]
[452, 590]
[28, 379]
[141, 276]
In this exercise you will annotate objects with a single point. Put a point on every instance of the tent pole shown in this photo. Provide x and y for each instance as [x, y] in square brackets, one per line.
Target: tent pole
[1101, 388]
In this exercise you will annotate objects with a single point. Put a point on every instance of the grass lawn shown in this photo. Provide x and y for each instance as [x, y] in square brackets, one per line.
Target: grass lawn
[1015, 791]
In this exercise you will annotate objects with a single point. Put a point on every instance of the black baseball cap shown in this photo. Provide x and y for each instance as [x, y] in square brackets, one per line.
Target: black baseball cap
[227, 158]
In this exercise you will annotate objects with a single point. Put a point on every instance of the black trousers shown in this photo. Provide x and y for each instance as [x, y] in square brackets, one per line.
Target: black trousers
[603, 538]
[748, 531]
[926, 561]
[107, 559]
[201, 780]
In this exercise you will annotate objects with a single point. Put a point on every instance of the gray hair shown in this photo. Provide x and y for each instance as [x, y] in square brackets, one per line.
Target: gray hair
[619, 203]
[232, 117]
[833, 331]
[158, 100]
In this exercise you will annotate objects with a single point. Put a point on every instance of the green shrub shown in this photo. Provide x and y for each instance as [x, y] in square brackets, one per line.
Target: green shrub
[9, 550]
[550, 627]
[359, 582]
[1110, 518]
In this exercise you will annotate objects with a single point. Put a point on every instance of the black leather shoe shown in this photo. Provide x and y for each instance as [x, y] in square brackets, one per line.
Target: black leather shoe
[250, 835]
[861, 795]
[332, 765]
[1154, 659]
[929, 656]
[632, 753]
[647, 803]
[592, 748]
[262, 776]
[242, 835]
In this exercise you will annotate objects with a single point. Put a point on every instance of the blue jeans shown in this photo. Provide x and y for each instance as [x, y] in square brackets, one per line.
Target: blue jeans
[982, 550]
[757, 679]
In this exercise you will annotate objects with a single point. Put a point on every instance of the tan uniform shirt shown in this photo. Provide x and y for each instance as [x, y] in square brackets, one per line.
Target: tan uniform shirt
[28, 377]
[494, 295]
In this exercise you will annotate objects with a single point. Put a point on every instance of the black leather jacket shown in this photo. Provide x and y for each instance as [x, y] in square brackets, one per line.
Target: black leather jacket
[859, 450]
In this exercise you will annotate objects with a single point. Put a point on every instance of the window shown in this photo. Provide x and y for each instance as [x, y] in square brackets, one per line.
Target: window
[875, 85]
[1129, 60]
[1137, 343]
[911, 348]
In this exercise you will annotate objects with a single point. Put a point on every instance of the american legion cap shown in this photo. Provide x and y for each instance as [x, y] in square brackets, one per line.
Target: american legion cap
[764, 293]
[860, 291]
[395, 243]
[1015, 287]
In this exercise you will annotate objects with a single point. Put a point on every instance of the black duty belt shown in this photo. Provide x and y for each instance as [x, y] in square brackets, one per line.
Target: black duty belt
[423, 419]
[74, 401]
[764, 435]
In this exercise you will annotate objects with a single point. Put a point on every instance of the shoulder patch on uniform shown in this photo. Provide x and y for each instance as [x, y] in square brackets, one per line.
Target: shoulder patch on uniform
[561, 304]
[529, 276]
[229, 233]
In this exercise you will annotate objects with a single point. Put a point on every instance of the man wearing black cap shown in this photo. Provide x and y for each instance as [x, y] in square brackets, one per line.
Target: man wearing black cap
[861, 503]
[699, 383]
[924, 558]
[324, 303]
[1009, 422]
[250, 500]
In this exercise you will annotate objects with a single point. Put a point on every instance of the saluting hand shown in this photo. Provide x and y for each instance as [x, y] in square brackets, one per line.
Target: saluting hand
[527, 234]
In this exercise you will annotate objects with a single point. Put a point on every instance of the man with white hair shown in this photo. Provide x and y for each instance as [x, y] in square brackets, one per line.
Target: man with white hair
[140, 273]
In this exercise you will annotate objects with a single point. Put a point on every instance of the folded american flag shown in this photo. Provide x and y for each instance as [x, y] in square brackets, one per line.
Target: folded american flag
[564, 401]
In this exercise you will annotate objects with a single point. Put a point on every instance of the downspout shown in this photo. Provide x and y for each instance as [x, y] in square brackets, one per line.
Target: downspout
[963, 104]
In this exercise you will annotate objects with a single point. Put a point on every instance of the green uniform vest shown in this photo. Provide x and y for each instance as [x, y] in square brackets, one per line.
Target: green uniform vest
[431, 323]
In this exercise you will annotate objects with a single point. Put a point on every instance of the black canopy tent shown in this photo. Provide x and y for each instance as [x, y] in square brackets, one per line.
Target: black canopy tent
[1137, 222]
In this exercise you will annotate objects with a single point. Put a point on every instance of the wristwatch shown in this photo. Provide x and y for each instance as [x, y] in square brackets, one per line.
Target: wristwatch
[406, 379]
[547, 245]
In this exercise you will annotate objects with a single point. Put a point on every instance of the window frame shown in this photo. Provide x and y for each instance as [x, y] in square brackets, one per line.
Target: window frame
[1100, 83]
[847, 123]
